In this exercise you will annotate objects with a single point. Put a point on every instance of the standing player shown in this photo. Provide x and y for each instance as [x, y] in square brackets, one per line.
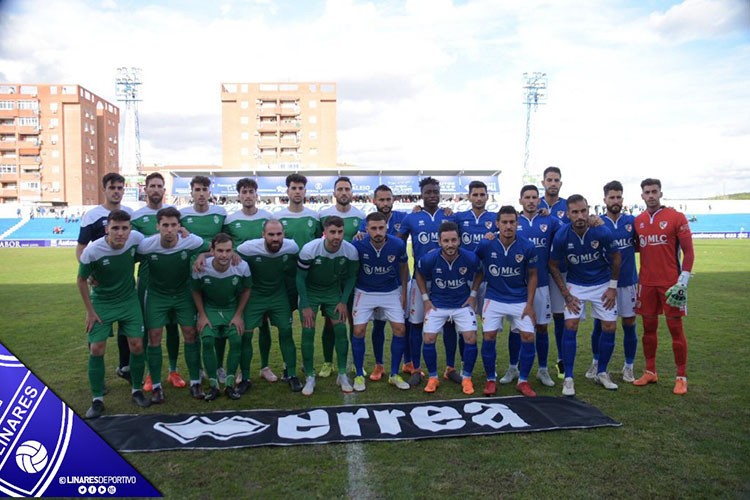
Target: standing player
[552, 204]
[381, 285]
[144, 221]
[423, 227]
[168, 296]
[593, 262]
[450, 270]
[662, 233]
[220, 292]
[352, 217]
[273, 263]
[110, 261]
[244, 225]
[540, 230]
[622, 228]
[93, 225]
[509, 265]
[326, 274]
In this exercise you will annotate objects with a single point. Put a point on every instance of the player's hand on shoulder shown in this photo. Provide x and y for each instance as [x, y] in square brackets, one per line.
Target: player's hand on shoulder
[489, 236]
[595, 221]
[359, 236]
[544, 212]
[416, 208]
[200, 262]
[447, 211]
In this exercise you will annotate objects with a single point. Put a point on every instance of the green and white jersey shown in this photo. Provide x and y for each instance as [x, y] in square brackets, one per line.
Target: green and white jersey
[302, 227]
[243, 227]
[326, 271]
[352, 219]
[271, 271]
[144, 220]
[221, 290]
[205, 224]
[169, 268]
[112, 270]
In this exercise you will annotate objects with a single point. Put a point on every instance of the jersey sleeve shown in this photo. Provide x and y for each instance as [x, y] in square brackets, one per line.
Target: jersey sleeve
[423, 266]
[85, 234]
[403, 255]
[557, 252]
[195, 282]
[405, 228]
[84, 269]
[481, 250]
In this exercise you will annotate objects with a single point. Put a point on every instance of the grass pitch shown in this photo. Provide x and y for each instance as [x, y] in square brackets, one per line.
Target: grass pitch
[669, 446]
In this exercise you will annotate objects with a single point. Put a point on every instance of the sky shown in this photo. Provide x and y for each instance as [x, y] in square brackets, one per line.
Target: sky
[636, 89]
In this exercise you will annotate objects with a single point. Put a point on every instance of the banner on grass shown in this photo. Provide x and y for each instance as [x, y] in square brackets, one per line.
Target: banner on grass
[336, 424]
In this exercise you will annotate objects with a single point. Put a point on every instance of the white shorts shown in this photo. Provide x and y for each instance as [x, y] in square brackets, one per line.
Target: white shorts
[367, 304]
[493, 313]
[626, 297]
[416, 304]
[464, 318]
[555, 296]
[592, 295]
[542, 307]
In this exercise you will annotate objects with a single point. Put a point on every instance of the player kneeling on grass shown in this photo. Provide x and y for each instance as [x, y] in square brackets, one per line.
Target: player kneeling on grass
[450, 270]
[381, 285]
[220, 292]
[110, 262]
[509, 265]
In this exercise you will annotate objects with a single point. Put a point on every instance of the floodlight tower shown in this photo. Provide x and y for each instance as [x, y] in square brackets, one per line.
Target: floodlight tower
[534, 86]
[128, 84]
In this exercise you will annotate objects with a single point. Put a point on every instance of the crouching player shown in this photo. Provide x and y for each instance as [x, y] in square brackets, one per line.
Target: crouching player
[509, 265]
[450, 270]
[220, 293]
[110, 261]
[381, 284]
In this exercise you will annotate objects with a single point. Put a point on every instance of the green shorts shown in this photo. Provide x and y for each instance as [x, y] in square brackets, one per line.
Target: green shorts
[327, 308]
[127, 315]
[277, 309]
[219, 319]
[161, 310]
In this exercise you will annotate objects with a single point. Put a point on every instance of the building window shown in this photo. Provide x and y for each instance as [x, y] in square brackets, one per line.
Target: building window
[313, 136]
[244, 152]
[28, 121]
[328, 87]
[268, 87]
[313, 103]
[53, 106]
[313, 87]
[313, 151]
[245, 136]
[69, 89]
[29, 89]
[7, 104]
[55, 153]
[53, 89]
[53, 122]
[28, 104]
[313, 120]
[8, 169]
[31, 186]
[243, 88]
[244, 104]
[244, 120]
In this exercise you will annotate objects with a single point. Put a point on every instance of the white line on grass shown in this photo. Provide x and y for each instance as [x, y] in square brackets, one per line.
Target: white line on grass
[357, 466]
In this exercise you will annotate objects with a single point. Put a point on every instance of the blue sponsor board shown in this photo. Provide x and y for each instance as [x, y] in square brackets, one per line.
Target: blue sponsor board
[449, 184]
[493, 185]
[401, 184]
[224, 186]
[181, 186]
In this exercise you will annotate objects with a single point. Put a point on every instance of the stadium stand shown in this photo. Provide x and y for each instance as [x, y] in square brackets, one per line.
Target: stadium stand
[6, 224]
[43, 228]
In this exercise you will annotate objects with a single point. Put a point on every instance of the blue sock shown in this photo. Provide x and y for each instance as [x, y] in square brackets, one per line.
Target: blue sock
[606, 346]
[629, 343]
[470, 357]
[488, 358]
[596, 333]
[569, 351]
[450, 341]
[527, 360]
[542, 348]
[559, 329]
[378, 340]
[461, 346]
[415, 341]
[407, 343]
[358, 353]
[430, 359]
[397, 350]
[514, 347]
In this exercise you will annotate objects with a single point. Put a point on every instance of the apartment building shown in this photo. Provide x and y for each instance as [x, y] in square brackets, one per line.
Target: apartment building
[272, 126]
[56, 143]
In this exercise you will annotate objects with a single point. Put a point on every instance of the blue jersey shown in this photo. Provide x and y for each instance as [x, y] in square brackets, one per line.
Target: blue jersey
[558, 210]
[540, 230]
[587, 255]
[450, 280]
[623, 232]
[472, 228]
[506, 270]
[379, 270]
[393, 223]
[423, 229]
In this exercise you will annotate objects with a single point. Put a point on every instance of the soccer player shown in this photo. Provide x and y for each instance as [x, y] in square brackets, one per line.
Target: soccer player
[144, 221]
[93, 225]
[450, 270]
[352, 217]
[326, 274]
[662, 283]
[539, 230]
[509, 265]
[273, 264]
[110, 261]
[552, 204]
[168, 296]
[220, 292]
[381, 285]
[245, 225]
[622, 227]
[423, 227]
[300, 223]
[593, 268]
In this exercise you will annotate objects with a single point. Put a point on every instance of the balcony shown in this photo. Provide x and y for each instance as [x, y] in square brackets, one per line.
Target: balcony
[27, 130]
[268, 111]
[28, 149]
[290, 125]
[29, 160]
[289, 111]
[7, 145]
[268, 125]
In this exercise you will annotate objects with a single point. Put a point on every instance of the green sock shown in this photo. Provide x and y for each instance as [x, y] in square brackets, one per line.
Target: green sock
[342, 346]
[246, 354]
[233, 358]
[155, 363]
[209, 358]
[221, 347]
[288, 350]
[328, 341]
[308, 350]
[96, 375]
[137, 367]
[193, 360]
[173, 345]
[264, 343]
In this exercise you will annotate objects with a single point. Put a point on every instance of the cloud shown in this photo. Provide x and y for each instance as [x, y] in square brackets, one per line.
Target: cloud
[700, 19]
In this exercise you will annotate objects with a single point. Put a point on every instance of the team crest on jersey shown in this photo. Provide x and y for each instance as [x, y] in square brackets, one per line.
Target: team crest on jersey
[237, 225]
[462, 270]
[560, 214]
[309, 223]
[397, 227]
[629, 228]
[284, 222]
[519, 257]
[595, 244]
[488, 224]
[391, 258]
[285, 258]
[189, 220]
[543, 228]
[235, 280]
[258, 259]
[145, 218]
[216, 219]
[663, 224]
[355, 223]
[105, 262]
[183, 255]
[341, 261]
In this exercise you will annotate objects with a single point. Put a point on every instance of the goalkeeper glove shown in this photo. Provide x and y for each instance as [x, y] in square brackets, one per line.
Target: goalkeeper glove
[677, 294]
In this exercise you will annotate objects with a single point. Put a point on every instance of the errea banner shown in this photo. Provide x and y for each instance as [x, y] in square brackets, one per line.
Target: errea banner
[47, 450]
[336, 424]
